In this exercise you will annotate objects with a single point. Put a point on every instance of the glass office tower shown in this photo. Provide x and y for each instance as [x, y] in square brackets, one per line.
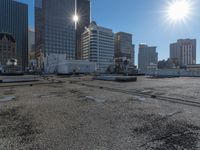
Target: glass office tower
[83, 11]
[55, 27]
[14, 21]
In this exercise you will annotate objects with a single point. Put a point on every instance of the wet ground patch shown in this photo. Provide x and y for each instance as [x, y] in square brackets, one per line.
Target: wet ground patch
[17, 127]
[165, 133]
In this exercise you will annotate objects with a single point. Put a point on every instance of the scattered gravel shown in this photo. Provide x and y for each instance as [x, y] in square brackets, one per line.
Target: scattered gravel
[167, 134]
[67, 116]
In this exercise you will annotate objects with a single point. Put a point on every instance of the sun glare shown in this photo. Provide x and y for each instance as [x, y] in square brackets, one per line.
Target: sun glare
[75, 18]
[179, 10]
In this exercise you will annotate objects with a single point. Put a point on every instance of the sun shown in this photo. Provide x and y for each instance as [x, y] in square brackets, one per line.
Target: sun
[179, 10]
[75, 18]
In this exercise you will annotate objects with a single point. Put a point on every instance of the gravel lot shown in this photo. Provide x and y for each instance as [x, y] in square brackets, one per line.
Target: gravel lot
[68, 116]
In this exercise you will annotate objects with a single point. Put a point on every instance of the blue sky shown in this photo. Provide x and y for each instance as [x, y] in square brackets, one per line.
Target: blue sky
[145, 19]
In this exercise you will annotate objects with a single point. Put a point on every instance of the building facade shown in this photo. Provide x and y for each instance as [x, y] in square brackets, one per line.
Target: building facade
[123, 46]
[83, 12]
[31, 40]
[98, 46]
[31, 50]
[147, 57]
[14, 20]
[55, 27]
[133, 55]
[7, 48]
[185, 51]
[168, 64]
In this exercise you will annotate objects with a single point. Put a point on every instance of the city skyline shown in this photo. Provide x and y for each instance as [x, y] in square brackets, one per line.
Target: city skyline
[152, 27]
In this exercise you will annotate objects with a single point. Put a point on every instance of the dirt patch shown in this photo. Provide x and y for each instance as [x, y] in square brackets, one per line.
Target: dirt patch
[164, 133]
[14, 125]
[74, 91]
[9, 91]
[77, 92]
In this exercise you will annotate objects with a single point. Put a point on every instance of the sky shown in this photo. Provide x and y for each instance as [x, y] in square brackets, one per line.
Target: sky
[145, 19]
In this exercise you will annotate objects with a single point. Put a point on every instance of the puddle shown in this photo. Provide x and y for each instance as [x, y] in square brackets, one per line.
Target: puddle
[137, 98]
[147, 91]
[7, 98]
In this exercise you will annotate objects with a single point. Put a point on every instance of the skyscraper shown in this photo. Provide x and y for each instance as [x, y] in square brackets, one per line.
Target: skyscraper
[31, 40]
[133, 55]
[123, 45]
[98, 45]
[146, 56]
[55, 27]
[184, 50]
[14, 21]
[31, 48]
[83, 12]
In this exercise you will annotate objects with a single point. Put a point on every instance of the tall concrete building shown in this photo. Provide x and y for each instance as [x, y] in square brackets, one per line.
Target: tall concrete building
[55, 27]
[147, 56]
[98, 45]
[14, 21]
[123, 46]
[184, 50]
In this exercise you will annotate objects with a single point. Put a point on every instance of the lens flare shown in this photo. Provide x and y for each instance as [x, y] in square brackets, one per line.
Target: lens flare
[179, 10]
[75, 18]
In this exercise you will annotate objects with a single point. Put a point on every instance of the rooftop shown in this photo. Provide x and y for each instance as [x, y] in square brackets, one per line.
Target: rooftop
[82, 113]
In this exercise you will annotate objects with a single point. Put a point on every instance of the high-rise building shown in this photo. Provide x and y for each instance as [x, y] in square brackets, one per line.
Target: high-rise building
[14, 21]
[98, 45]
[184, 50]
[147, 56]
[31, 49]
[133, 55]
[83, 12]
[123, 46]
[31, 40]
[55, 27]
[7, 48]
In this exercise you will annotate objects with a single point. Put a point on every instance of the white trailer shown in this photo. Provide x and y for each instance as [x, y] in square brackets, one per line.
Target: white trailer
[76, 66]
